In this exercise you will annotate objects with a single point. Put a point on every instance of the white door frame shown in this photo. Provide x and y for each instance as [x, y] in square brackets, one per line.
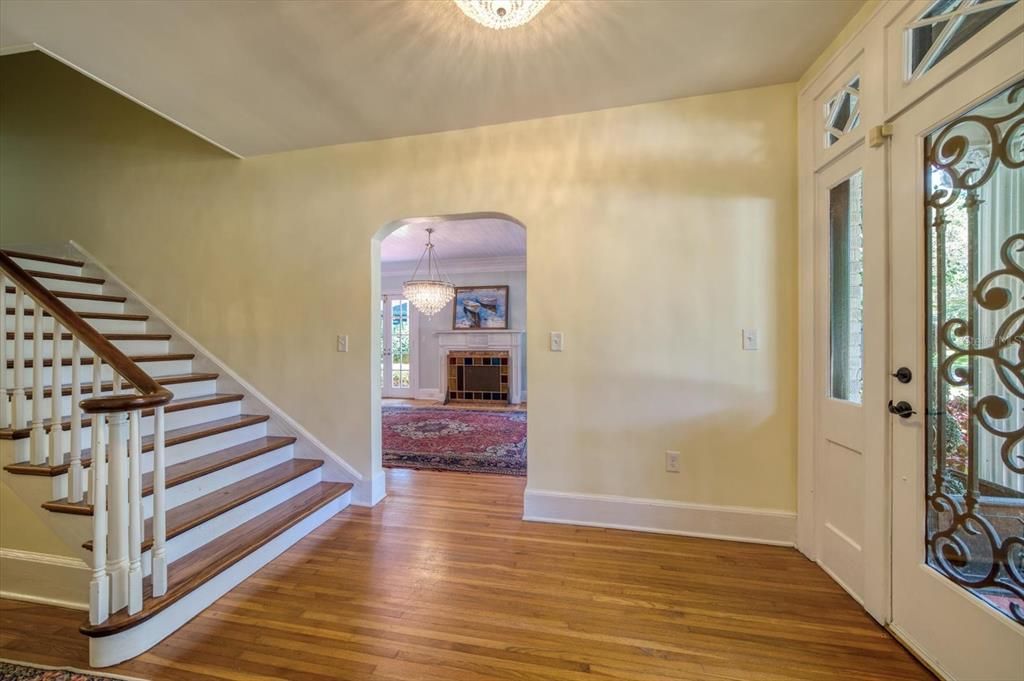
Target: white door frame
[874, 45]
[414, 354]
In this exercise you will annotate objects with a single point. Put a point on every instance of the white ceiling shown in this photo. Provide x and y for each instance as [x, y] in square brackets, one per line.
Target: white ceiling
[456, 240]
[262, 76]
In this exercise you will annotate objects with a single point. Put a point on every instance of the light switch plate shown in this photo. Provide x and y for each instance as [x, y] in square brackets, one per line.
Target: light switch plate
[750, 339]
[556, 341]
[342, 343]
[672, 462]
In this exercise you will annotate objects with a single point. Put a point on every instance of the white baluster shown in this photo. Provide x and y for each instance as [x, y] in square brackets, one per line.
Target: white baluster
[134, 514]
[18, 416]
[159, 553]
[56, 397]
[5, 405]
[99, 586]
[99, 442]
[117, 500]
[75, 453]
[37, 442]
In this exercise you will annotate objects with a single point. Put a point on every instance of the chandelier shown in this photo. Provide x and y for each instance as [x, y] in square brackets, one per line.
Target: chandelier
[500, 14]
[429, 295]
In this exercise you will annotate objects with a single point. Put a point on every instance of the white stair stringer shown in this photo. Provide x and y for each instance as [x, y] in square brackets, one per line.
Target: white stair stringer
[109, 650]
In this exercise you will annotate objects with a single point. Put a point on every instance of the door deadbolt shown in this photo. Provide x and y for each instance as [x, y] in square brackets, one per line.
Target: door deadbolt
[903, 375]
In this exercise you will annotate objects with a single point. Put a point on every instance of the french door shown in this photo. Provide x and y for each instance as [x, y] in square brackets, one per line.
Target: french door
[398, 337]
[957, 325]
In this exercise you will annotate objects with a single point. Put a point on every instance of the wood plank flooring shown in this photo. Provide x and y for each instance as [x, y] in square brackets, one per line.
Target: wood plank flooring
[444, 582]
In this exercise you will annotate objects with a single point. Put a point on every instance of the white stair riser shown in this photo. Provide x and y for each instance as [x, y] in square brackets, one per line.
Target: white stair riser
[179, 453]
[73, 286]
[178, 419]
[187, 542]
[211, 482]
[155, 369]
[76, 304]
[41, 266]
[128, 347]
[109, 650]
[180, 390]
[101, 325]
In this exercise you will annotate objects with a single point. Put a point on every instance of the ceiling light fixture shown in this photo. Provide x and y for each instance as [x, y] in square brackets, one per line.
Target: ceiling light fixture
[501, 14]
[429, 295]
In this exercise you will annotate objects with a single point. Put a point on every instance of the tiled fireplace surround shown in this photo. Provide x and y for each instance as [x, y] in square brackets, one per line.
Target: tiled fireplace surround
[483, 365]
[477, 376]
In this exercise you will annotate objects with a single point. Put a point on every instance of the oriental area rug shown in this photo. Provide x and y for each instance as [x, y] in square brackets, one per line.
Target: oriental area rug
[464, 440]
[20, 671]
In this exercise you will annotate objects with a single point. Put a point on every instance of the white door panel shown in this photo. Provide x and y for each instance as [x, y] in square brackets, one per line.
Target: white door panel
[958, 539]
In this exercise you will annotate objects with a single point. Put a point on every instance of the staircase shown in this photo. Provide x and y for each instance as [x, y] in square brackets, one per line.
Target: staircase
[163, 484]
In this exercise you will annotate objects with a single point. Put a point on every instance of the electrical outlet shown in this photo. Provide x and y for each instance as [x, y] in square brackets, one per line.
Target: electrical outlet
[556, 341]
[672, 462]
[750, 339]
[342, 343]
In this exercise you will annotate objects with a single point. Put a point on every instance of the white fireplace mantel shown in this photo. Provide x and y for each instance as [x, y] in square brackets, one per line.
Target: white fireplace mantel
[510, 341]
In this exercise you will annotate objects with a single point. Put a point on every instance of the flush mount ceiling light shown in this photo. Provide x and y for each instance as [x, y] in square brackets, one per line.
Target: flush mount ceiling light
[429, 295]
[501, 14]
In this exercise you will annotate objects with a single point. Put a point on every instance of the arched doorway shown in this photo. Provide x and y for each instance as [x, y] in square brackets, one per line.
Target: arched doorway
[450, 388]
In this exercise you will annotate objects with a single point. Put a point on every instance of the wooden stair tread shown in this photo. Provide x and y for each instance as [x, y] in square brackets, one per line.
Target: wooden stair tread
[81, 296]
[172, 379]
[174, 405]
[89, 315]
[43, 258]
[39, 274]
[86, 361]
[196, 512]
[171, 437]
[198, 567]
[185, 471]
[48, 336]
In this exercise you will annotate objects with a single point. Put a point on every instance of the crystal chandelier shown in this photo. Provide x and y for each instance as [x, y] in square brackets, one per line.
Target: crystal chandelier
[500, 14]
[429, 295]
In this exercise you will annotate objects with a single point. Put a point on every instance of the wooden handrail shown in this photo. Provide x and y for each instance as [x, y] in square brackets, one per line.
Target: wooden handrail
[152, 393]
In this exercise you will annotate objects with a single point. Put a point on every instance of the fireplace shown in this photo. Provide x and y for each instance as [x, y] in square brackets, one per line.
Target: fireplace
[478, 376]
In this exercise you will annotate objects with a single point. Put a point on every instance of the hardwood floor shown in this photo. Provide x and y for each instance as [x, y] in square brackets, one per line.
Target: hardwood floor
[444, 582]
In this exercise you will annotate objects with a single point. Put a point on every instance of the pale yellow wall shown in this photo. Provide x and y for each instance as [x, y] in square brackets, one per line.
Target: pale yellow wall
[654, 232]
[22, 529]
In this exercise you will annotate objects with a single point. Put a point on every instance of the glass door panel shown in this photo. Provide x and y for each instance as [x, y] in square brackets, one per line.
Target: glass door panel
[974, 192]
[396, 350]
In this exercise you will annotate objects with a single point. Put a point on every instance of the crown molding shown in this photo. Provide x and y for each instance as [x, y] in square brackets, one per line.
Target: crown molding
[511, 263]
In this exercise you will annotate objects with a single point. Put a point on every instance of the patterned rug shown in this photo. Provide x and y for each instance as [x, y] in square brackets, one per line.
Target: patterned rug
[19, 671]
[466, 440]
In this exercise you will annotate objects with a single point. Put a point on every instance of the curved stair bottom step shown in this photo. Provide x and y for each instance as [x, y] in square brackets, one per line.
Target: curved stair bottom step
[105, 651]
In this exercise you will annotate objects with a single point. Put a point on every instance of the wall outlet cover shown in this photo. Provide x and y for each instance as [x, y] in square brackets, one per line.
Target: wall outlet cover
[556, 341]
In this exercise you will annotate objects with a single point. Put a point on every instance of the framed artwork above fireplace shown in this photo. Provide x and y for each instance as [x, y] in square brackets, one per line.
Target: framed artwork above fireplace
[480, 307]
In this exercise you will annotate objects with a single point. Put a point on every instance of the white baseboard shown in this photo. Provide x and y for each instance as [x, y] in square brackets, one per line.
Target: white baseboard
[371, 490]
[44, 578]
[732, 523]
[288, 424]
[434, 394]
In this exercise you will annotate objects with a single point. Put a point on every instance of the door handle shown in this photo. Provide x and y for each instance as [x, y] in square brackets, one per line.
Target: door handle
[902, 409]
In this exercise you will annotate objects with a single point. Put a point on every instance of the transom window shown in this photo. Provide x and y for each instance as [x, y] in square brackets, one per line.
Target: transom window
[842, 112]
[945, 26]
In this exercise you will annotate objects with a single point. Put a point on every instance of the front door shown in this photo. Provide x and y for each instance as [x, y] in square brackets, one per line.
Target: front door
[957, 282]
[396, 352]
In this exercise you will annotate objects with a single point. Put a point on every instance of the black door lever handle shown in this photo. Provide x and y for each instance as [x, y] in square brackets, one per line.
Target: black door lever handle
[902, 409]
